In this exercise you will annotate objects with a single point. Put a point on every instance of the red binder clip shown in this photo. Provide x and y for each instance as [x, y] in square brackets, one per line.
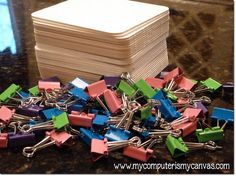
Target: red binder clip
[173, 74]
[112, 101]
[185, 83]
[155, 82]
[48, 86]
[96, 89]
[83, 119]
[3, 140]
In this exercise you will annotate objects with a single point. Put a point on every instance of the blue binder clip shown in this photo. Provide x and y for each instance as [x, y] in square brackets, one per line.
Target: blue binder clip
[76, 107]
[87, 135]
[117, 134]
[79, 83]
[79, 93]
[100, 121]
[49, 113]
[223, 114]
[150, 122]
[24, 95]
[159, 95]
[168, 110]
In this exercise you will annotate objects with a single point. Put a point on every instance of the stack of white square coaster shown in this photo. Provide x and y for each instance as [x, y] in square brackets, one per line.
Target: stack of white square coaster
[90, 38]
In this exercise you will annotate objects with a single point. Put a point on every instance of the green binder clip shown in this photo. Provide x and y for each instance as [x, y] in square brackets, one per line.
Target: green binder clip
[60, 121]
[210, 134]
[176, 146]
[9, 93]
[34, 90]
[208, 85]
[145, 112]
[170, 95]
[125, 88]
[146, 90]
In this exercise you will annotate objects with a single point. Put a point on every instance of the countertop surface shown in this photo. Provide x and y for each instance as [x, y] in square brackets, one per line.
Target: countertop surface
[77, 158]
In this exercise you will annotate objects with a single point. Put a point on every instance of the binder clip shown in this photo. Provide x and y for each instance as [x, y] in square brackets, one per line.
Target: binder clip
[188, 122]
[199, 105]
[79, 83]
[209, 85]
[57, 123]
[34, 91]
[23, 95]
[76, 107]
[223, 114]
[150, 122]
[170, 95]
[160, 94]
[79, 94]
[3, 140]
[81, 119]
[168, 110]
[50, 113]
[100, 121]
[52, 79]
[96, 89]
[145, 112]
[185, 83]
[48, 86]
[100, 148]
[20, 139]
[52, 138]
[144, 89]
[31, 110]
[125, 88]
[10, 92]
[87, 135]
[155, 133]
[174, 74]
[111, 81]
[117, 134]
[155, 82]
[210, 134]
[143, 152]
[176, 146]
[112, 101]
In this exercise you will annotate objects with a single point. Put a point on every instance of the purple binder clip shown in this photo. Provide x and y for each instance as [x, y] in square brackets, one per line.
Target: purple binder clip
[21, 139]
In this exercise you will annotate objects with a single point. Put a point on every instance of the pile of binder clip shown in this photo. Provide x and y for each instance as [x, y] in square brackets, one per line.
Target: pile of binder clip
[114, 114]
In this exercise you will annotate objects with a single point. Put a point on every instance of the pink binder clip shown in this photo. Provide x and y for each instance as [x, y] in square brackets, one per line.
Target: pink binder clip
[3, 140]
[99, 148]
[185, 83]
[58, 138]
[96, 89]
[155, 82]
[139, 153]
[6, 114]
[173, 74]
[189, 112]
[48, 86]
[112, 101]
[83, 119]
[187, 128]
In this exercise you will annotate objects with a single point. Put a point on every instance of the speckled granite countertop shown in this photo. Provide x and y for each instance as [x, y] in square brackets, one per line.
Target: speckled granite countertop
[21, 68]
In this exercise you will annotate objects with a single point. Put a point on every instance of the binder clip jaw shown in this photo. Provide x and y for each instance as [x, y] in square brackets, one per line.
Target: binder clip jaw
[31, 110]
[125, 88]
[144, 89]
[48, 86]
[87, 135]
[168, 110]
[176, 146]
[223, 114]
[117, 134]
[100, 121]
[112, 101]
[155, 82]
[79, 93]
[6, 114]
[210, 134]
[185, 83]
[99, 148]
[111, 81]
[96, 89]
[209, 85]
[81, 119]
[20, 139]
[176, 73]
[34, 91]
[139, 153]
[49, 113]
[9, 93]
[3, 140]
[79, 83]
